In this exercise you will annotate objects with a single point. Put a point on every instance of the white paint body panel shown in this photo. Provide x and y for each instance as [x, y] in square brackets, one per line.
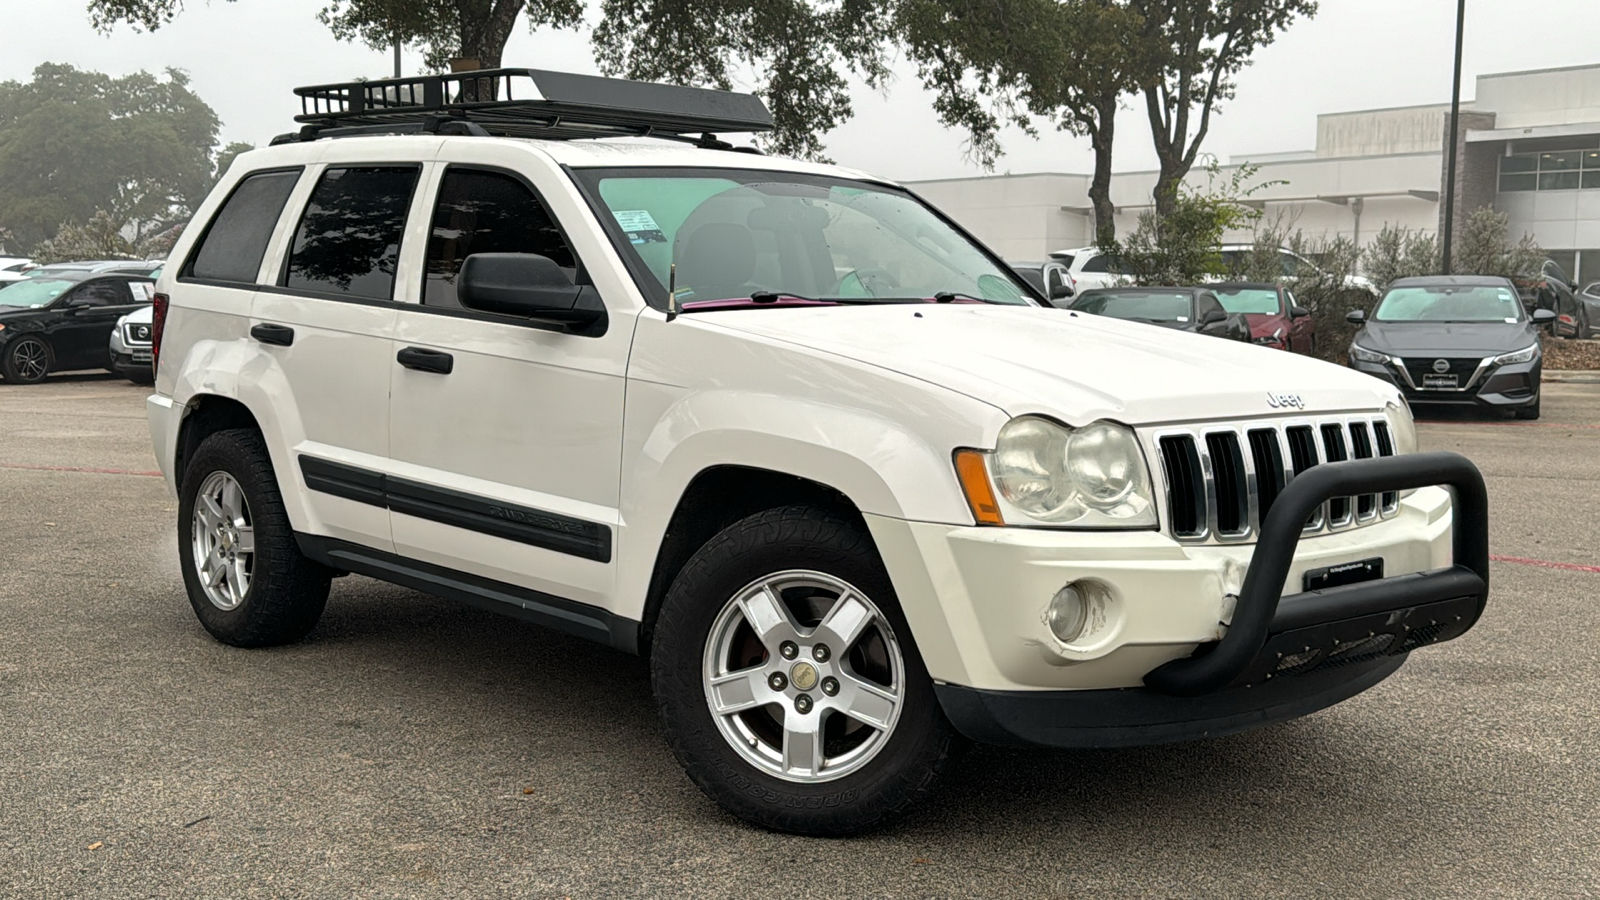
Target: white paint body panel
[871, 401]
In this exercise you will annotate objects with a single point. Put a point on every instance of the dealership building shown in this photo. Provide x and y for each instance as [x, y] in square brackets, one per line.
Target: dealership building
[1529, 144]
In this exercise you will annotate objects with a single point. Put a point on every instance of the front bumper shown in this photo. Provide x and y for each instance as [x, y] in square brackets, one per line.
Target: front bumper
[1505, 387]
[975, 599]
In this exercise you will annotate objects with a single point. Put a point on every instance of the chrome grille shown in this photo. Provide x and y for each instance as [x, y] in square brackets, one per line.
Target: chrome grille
[1221, 480]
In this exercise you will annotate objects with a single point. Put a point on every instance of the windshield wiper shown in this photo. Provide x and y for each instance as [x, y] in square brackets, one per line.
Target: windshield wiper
[952, 296]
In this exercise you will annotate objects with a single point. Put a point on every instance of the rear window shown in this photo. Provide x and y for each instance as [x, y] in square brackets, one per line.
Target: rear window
[1254, 301]
[349, 237]
[1146, 306]
[236, 241]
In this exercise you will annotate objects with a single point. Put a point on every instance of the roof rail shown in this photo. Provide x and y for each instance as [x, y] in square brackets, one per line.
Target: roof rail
[525, 103]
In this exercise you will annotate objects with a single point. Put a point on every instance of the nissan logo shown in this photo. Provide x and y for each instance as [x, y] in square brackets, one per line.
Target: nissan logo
[1285, 401]
[1441, 366]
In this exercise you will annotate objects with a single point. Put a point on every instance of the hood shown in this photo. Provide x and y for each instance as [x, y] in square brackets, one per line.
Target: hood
[1074, 366]
[12, 312]
[144, 315]
[1445, 338]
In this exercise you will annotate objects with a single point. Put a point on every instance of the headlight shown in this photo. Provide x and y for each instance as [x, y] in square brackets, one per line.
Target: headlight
[1521, 356]
[1088, 477]
[1362, 354]
[1402, 427]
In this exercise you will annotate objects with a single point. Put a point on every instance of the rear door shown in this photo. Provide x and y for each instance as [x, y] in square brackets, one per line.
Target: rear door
[506, 436]
[327, 321]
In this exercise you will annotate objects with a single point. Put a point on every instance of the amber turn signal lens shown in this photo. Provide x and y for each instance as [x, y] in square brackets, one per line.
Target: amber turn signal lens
[974, 476]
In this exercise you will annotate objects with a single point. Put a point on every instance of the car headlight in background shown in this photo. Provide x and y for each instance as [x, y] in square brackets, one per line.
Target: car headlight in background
[1044, 473]
[1362, 354]
[1526, 354]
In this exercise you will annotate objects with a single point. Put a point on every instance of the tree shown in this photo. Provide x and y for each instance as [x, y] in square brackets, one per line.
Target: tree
[1484, 247]
[1204, 44]
[1397, 252]
[793, 53]
[99, 238]
[1068, 62]
[1184, 245]
[73, 142]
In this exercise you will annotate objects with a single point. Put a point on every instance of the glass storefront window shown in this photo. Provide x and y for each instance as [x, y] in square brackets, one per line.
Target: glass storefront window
[1522, 162]
[1558, 162]
[1551, 170]
[1558, 181]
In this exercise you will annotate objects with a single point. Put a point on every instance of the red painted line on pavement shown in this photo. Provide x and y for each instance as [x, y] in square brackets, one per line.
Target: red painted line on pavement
[88, 469]
[1546, 564]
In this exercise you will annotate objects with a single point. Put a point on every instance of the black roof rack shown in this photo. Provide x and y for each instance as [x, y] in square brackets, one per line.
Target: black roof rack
[525, 103]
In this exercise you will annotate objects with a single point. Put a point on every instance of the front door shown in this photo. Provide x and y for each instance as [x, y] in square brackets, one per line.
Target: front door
[505, 436]
[82, 338]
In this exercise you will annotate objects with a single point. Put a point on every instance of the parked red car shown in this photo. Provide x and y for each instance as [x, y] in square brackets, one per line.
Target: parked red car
[1275, 320]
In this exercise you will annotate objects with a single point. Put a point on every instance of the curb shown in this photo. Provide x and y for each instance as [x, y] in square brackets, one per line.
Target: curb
[1572, 376]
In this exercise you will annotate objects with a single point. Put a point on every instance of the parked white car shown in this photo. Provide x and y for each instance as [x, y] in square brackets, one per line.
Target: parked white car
[1092, 268]
[131, 346]
[785, 430]
[13, 268]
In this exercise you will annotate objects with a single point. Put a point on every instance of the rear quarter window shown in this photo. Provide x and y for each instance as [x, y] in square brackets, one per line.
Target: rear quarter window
[236, 240]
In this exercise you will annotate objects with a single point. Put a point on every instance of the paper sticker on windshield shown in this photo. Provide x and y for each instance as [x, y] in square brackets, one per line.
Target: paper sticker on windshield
[1183, 318]
[143, 291]
[640, 226]
[1510, 320]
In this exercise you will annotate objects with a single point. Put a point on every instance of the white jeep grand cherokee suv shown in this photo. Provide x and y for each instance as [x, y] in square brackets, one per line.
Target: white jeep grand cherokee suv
[779, 426]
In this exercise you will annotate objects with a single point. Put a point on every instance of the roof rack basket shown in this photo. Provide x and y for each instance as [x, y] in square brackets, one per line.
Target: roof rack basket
[526, 103]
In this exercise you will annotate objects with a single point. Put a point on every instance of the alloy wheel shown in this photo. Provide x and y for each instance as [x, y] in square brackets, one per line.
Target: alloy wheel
[804, 676]
[31, 359]
[223, 541]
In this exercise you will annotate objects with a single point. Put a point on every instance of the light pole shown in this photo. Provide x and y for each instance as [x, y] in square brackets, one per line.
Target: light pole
[1455, 125]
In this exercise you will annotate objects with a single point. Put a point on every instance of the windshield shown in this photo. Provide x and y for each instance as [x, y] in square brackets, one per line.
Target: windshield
[33, 292]
[1252, 301]
[725, 234]
[1149, 306]
[1450, 303]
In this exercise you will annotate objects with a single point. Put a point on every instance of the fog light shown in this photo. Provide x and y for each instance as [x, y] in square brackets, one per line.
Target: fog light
[1068, 613]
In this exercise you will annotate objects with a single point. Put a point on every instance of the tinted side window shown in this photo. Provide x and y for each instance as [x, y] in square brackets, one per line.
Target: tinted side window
[1209, 303]
[102, 293]
[1056, 282]
[349, 237]
[1097, 264]
[237, 239]
[486, 212]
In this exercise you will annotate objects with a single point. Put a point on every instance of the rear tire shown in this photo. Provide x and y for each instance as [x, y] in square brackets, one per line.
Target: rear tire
[27, 360]
[247, 580]
[815, 765]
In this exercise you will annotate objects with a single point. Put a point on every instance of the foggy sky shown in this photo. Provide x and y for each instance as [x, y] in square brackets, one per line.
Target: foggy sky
[245, 56]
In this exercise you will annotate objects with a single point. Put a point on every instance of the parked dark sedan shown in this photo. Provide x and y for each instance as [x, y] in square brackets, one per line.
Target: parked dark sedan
[1275, 320]
[1186, 309]
[1552, 290]
[63, 322]
[1458, 340]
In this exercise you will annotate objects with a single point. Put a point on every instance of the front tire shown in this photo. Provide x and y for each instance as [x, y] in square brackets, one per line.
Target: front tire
[248, 582]
[27, 360]
[787, 680]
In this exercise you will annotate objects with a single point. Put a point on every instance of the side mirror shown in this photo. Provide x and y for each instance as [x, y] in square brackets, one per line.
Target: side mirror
[1544, 316]
[1356, 316]
[1061, 292]
[1298, 312]
[79, 307]
[1213, 317]
[526, 285]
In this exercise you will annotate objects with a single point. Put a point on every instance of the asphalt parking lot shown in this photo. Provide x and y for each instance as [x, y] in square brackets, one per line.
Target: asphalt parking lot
[415, 748]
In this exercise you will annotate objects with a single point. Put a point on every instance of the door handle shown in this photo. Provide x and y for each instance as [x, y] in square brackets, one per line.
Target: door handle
[424, 360]
[267, 333]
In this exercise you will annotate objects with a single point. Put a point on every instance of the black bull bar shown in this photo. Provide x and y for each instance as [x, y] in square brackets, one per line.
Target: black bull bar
[1272, 635]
